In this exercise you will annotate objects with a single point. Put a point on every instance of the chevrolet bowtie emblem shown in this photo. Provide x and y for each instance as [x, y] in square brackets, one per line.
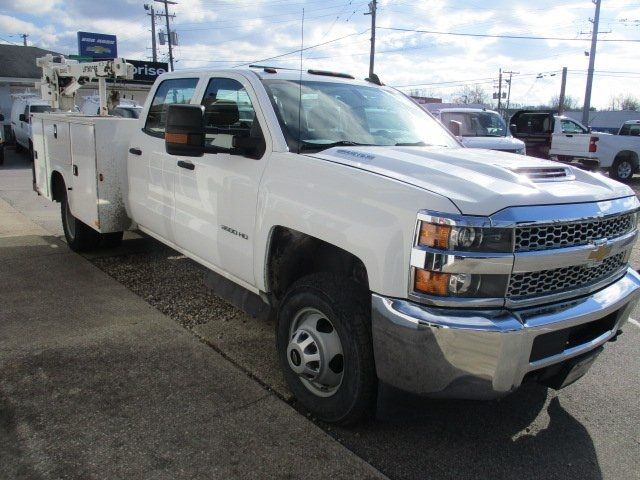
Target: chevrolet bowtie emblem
[599, 253]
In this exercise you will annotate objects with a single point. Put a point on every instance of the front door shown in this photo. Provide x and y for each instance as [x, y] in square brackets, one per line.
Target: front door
[151, 171]
[216, 195]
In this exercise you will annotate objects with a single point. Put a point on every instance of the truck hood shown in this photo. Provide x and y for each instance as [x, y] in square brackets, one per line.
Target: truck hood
[493, 143]
[478, 182]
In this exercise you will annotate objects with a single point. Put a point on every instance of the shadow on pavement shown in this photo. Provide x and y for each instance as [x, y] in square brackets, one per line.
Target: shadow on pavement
[525, 435]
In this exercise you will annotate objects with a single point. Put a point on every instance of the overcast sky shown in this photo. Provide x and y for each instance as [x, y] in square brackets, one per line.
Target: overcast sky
[216, 33]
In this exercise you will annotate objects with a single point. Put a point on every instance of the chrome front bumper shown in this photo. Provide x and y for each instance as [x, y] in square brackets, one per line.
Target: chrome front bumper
[479, 354]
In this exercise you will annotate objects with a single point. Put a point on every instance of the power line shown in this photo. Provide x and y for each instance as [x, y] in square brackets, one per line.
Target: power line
[516, 37]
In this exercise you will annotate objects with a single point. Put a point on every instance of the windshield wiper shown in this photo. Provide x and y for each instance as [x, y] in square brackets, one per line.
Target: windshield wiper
[413, 144]
[339, 143]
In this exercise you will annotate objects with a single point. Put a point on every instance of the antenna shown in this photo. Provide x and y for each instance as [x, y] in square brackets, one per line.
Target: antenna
[300, 86]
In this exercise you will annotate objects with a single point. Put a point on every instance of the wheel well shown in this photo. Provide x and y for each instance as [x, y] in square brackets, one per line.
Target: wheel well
[628, 155]
[57, 186]
[293, 255]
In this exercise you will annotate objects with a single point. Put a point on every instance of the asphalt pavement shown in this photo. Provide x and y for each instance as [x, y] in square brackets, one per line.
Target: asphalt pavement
[590, 430]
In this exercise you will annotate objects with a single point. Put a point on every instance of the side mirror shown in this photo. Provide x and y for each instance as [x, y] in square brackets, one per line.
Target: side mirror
[22, 117]
[455, 127]
[1, 118]
[184, 130]
[513, 128]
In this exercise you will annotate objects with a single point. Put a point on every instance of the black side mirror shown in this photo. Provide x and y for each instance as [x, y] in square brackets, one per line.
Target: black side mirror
[252, 147]
[455, 127]
[513, 128]
[1, 118]
[22, 117]
[184, 130]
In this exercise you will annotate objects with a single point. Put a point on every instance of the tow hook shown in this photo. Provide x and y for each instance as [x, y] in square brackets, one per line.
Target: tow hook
[615, 337]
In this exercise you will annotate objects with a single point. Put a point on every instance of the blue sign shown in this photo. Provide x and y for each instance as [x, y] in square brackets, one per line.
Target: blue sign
[97, 45]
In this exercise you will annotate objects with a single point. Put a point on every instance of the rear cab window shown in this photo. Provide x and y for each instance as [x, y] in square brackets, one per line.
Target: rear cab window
[171, 91]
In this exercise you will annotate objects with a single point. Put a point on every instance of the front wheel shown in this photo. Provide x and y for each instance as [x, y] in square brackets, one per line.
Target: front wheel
[325, 348]
[622, 170]
[80, 237]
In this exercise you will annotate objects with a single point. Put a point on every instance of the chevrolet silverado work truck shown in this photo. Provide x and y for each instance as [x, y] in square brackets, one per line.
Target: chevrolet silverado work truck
[388, 251]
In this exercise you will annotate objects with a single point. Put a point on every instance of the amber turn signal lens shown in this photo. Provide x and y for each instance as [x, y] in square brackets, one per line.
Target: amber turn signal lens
[432, 283]
[434, 236]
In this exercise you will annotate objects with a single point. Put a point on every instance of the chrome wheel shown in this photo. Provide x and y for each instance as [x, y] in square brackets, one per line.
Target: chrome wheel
[625, 169]
[70, 222]
[315, 352]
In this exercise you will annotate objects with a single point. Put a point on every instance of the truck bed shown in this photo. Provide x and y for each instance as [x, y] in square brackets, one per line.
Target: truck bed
[90, 153]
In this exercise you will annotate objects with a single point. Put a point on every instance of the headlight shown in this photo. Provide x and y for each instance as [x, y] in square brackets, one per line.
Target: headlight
[464, 237]
[446, 252]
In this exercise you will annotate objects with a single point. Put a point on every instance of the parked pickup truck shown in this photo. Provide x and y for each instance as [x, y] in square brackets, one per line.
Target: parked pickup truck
[619, 153]
[388, 252]
[549, 135]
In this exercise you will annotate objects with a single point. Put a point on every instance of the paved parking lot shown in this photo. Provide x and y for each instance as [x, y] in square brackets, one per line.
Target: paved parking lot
[590, 430]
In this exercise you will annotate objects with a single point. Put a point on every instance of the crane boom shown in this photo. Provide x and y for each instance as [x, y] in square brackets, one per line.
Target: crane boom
[62, 78]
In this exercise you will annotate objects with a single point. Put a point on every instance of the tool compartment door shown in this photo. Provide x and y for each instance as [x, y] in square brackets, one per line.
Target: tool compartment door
[84, 194]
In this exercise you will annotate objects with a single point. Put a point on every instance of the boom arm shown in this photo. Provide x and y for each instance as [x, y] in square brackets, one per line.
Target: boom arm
[61, 79]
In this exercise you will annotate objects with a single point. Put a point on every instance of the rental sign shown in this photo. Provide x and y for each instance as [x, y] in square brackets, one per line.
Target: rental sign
[98, 46]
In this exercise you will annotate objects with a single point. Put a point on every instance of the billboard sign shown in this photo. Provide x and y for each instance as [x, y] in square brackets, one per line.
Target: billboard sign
[98, 46]
[147, 72]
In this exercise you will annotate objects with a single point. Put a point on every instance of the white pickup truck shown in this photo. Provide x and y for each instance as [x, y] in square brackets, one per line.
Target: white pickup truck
[389, 252]
[619, 154]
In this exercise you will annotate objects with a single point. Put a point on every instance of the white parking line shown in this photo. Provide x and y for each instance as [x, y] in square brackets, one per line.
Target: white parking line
[635, 322]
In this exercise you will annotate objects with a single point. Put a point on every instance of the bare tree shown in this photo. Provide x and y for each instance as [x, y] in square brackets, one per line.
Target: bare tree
[570, 103]
[625, 102]
[467, 94]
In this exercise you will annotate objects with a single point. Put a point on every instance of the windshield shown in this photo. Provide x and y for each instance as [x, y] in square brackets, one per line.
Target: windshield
[39, 108]
[346, 114]
[477, 124]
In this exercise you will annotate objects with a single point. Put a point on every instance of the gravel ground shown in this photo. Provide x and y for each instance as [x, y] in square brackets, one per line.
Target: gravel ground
[172, 283]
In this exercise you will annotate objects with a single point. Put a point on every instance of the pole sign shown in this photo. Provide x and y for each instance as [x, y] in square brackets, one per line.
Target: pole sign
[98, 46]
[147, 72]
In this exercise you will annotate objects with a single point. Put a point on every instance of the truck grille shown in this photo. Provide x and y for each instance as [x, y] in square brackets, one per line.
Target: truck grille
[545, 237]
[557, 280]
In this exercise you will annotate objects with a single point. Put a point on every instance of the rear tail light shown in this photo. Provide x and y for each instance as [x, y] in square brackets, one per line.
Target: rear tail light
[593, 147]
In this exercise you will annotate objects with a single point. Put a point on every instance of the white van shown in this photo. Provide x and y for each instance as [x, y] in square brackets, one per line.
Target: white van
[24, 105]
[481, 128]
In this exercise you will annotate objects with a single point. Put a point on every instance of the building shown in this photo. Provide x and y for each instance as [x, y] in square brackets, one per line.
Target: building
[19, 74]
[608, 121]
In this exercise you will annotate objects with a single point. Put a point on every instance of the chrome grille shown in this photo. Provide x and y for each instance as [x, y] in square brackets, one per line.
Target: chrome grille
[545, 237]
[557, 280]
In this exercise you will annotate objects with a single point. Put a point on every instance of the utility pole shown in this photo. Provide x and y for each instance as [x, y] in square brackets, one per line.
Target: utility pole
[166, 16]
[373, 6]
[511, 74]
[500, 90]
[24, 38]
[153, 31]
[563, 86]
[592, 61]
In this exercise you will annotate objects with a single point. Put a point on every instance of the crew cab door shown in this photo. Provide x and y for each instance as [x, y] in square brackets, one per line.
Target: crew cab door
[151, 171]
[216, 194]
[535, 129]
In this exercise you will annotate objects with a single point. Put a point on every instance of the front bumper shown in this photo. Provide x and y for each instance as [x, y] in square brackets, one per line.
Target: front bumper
[457, 353]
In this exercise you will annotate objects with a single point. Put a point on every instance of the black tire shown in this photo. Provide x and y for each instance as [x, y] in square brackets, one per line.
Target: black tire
[346, 305]
[111, 240]
[622, 169]
[80, 237]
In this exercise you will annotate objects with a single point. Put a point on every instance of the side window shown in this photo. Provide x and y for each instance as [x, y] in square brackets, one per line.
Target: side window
[569, 126]
[230, 120]
[178, 90]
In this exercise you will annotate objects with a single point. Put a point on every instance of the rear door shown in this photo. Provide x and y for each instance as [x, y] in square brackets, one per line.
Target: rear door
[151, 171]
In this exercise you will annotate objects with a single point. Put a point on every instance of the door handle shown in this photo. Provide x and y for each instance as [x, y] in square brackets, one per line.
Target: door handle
[187, 165]
[135, 151]
[569, 136]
